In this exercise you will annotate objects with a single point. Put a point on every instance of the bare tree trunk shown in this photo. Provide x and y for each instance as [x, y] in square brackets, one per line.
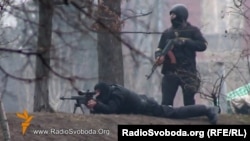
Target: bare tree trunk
[41, 96]
[4, 123]
[109, 45]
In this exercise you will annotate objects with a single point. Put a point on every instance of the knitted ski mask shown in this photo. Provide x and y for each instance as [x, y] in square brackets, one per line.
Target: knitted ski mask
[181, 13]
[104, 90]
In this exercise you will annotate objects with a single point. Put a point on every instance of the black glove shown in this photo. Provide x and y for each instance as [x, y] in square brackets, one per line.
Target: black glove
[190, 42]
[158, 53]
[179, 42]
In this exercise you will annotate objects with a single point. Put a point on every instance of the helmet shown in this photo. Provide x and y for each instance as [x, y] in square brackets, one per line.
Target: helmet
[180, 10]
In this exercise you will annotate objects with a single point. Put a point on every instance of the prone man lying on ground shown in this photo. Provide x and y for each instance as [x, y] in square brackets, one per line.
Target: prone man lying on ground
[115, 99]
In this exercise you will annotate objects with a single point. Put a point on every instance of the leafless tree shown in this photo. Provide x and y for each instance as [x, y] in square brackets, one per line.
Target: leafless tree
[41, 95]
[3, 118]
[109, 46]
[107, 21]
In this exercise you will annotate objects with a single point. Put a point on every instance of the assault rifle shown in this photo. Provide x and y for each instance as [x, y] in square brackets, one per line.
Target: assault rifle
[167, 50]
[82, 98]
[169, 46]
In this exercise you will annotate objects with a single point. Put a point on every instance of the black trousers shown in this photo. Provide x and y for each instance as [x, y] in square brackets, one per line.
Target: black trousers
[183, 111]
[189, 82]
[152, 108]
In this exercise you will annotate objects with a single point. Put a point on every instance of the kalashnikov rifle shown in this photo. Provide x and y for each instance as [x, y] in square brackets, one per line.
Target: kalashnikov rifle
[167, 50]
[169, 46]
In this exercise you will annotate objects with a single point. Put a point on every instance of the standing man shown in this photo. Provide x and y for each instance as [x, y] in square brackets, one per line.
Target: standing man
[179, 65]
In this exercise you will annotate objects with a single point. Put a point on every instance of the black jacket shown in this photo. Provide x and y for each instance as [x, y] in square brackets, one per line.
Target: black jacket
[186, 53]
[120, 100]
[123, 101]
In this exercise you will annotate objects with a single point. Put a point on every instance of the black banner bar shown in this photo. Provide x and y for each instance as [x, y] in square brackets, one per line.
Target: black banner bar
[194, 132]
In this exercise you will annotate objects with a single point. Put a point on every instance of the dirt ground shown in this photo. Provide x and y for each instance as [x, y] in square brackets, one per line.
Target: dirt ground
[106, 125]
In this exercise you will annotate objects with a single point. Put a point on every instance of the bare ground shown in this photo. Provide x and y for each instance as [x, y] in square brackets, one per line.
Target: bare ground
[89, 123]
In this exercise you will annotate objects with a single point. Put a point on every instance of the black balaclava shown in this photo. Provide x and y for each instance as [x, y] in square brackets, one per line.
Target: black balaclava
[104, 90]
[181, 13]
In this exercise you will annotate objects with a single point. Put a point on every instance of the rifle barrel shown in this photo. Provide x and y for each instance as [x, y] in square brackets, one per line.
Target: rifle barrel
[73, 97]
[63, 98]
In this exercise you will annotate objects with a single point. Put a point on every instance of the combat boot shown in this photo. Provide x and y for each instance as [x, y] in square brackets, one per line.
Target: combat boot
[212, 115]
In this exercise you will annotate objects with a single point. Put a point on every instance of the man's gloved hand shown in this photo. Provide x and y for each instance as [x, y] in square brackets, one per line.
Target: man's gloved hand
[179, 42]
[159, 60]
[158, 53]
